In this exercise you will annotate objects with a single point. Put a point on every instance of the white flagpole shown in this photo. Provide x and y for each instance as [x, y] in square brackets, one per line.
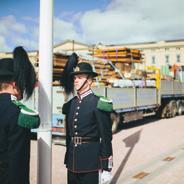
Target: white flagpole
[44, 174]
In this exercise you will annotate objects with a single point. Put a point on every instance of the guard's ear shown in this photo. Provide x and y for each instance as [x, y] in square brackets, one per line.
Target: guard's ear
[13, 84]
[90, 81]
[16, 92]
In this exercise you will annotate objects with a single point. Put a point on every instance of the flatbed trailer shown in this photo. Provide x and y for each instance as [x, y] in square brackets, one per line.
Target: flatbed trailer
[133, 103]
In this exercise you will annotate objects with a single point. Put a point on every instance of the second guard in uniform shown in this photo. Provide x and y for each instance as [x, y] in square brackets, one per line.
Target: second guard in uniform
[88, 130]
[17, 79]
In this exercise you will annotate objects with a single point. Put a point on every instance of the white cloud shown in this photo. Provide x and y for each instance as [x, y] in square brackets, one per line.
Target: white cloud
[64, 30]
[122, 21]
[26, 42]
[30, 19]
[16, 33]
[3, 45]
[134, 21]
[9, 24]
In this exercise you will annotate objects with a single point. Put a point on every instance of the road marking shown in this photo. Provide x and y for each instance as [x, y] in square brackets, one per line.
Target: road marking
[141, 175]
[153, 168]
[169, 158]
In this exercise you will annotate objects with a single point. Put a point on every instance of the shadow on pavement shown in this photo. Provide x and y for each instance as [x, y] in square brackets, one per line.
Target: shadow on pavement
[130, 142]
[133, 124]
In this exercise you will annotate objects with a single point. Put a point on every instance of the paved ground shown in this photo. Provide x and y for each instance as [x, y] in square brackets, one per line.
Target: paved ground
[152, 152]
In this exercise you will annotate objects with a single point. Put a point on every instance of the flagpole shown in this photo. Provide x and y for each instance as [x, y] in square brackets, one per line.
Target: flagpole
[44, 172]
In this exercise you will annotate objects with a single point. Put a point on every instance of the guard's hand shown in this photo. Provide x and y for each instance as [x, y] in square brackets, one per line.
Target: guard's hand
[105, 177]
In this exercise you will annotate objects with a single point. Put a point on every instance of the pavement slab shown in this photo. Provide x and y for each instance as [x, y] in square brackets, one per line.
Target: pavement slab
[139, 148]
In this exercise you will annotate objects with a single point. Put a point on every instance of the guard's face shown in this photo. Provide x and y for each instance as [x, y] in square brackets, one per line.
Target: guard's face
[79, 80]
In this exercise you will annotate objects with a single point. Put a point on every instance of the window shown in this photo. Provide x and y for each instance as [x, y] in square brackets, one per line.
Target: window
[178, 58]
[153, 60]
[166, 49]
[167, 59]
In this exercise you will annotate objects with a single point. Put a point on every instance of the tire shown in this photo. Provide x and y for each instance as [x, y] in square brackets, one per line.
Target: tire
[180, 109]
[115, 122]
[168, 110]
[173, 108]
[164, 111]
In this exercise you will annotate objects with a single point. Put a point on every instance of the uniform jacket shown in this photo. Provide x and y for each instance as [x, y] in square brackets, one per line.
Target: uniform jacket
[14, 144]
[85, 119]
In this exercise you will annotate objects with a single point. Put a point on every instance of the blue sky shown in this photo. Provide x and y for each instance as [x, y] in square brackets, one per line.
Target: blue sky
[92, 21]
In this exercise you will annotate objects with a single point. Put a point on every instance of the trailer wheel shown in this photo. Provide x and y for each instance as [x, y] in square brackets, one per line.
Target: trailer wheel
[115, 122]
[180, 109]
[168, 110]
[163, 112]
[173, 108]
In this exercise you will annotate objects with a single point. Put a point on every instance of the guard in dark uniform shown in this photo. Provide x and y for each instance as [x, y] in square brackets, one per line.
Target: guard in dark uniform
[88, 130]
[17, 79]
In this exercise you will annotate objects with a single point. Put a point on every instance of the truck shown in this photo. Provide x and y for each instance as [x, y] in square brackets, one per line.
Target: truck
[130, 103]
[131, 100]
[133, 103]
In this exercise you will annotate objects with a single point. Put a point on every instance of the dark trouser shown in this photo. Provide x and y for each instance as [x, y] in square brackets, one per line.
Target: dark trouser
[82, 178]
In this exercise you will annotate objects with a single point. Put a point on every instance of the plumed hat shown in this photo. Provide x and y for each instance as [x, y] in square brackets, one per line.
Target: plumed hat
[72, 68]
[20, 70]
[66, 78]
[84, 68]
[6, 67]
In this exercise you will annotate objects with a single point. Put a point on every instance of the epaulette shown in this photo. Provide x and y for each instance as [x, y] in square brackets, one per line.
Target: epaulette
[28, 118]
[104, 104]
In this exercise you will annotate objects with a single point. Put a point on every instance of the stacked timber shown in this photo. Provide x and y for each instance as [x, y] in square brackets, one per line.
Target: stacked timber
[119, 55]
[105, 72]
[122, 58]
[59, 61]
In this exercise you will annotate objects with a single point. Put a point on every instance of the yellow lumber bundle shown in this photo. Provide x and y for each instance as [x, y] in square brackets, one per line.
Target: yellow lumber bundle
[124, 55]
[59, 61]
[122, 58]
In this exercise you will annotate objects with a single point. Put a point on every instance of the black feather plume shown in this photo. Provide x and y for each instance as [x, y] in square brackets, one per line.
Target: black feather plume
[66, 80]
[25, 75]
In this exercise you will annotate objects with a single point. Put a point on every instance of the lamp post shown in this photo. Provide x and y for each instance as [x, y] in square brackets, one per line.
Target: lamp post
[44, 174]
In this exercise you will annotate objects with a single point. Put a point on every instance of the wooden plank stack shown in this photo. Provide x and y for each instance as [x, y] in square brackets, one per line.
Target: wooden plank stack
[59, 61]
[121, 58]
[122, 55]
[105, 71]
